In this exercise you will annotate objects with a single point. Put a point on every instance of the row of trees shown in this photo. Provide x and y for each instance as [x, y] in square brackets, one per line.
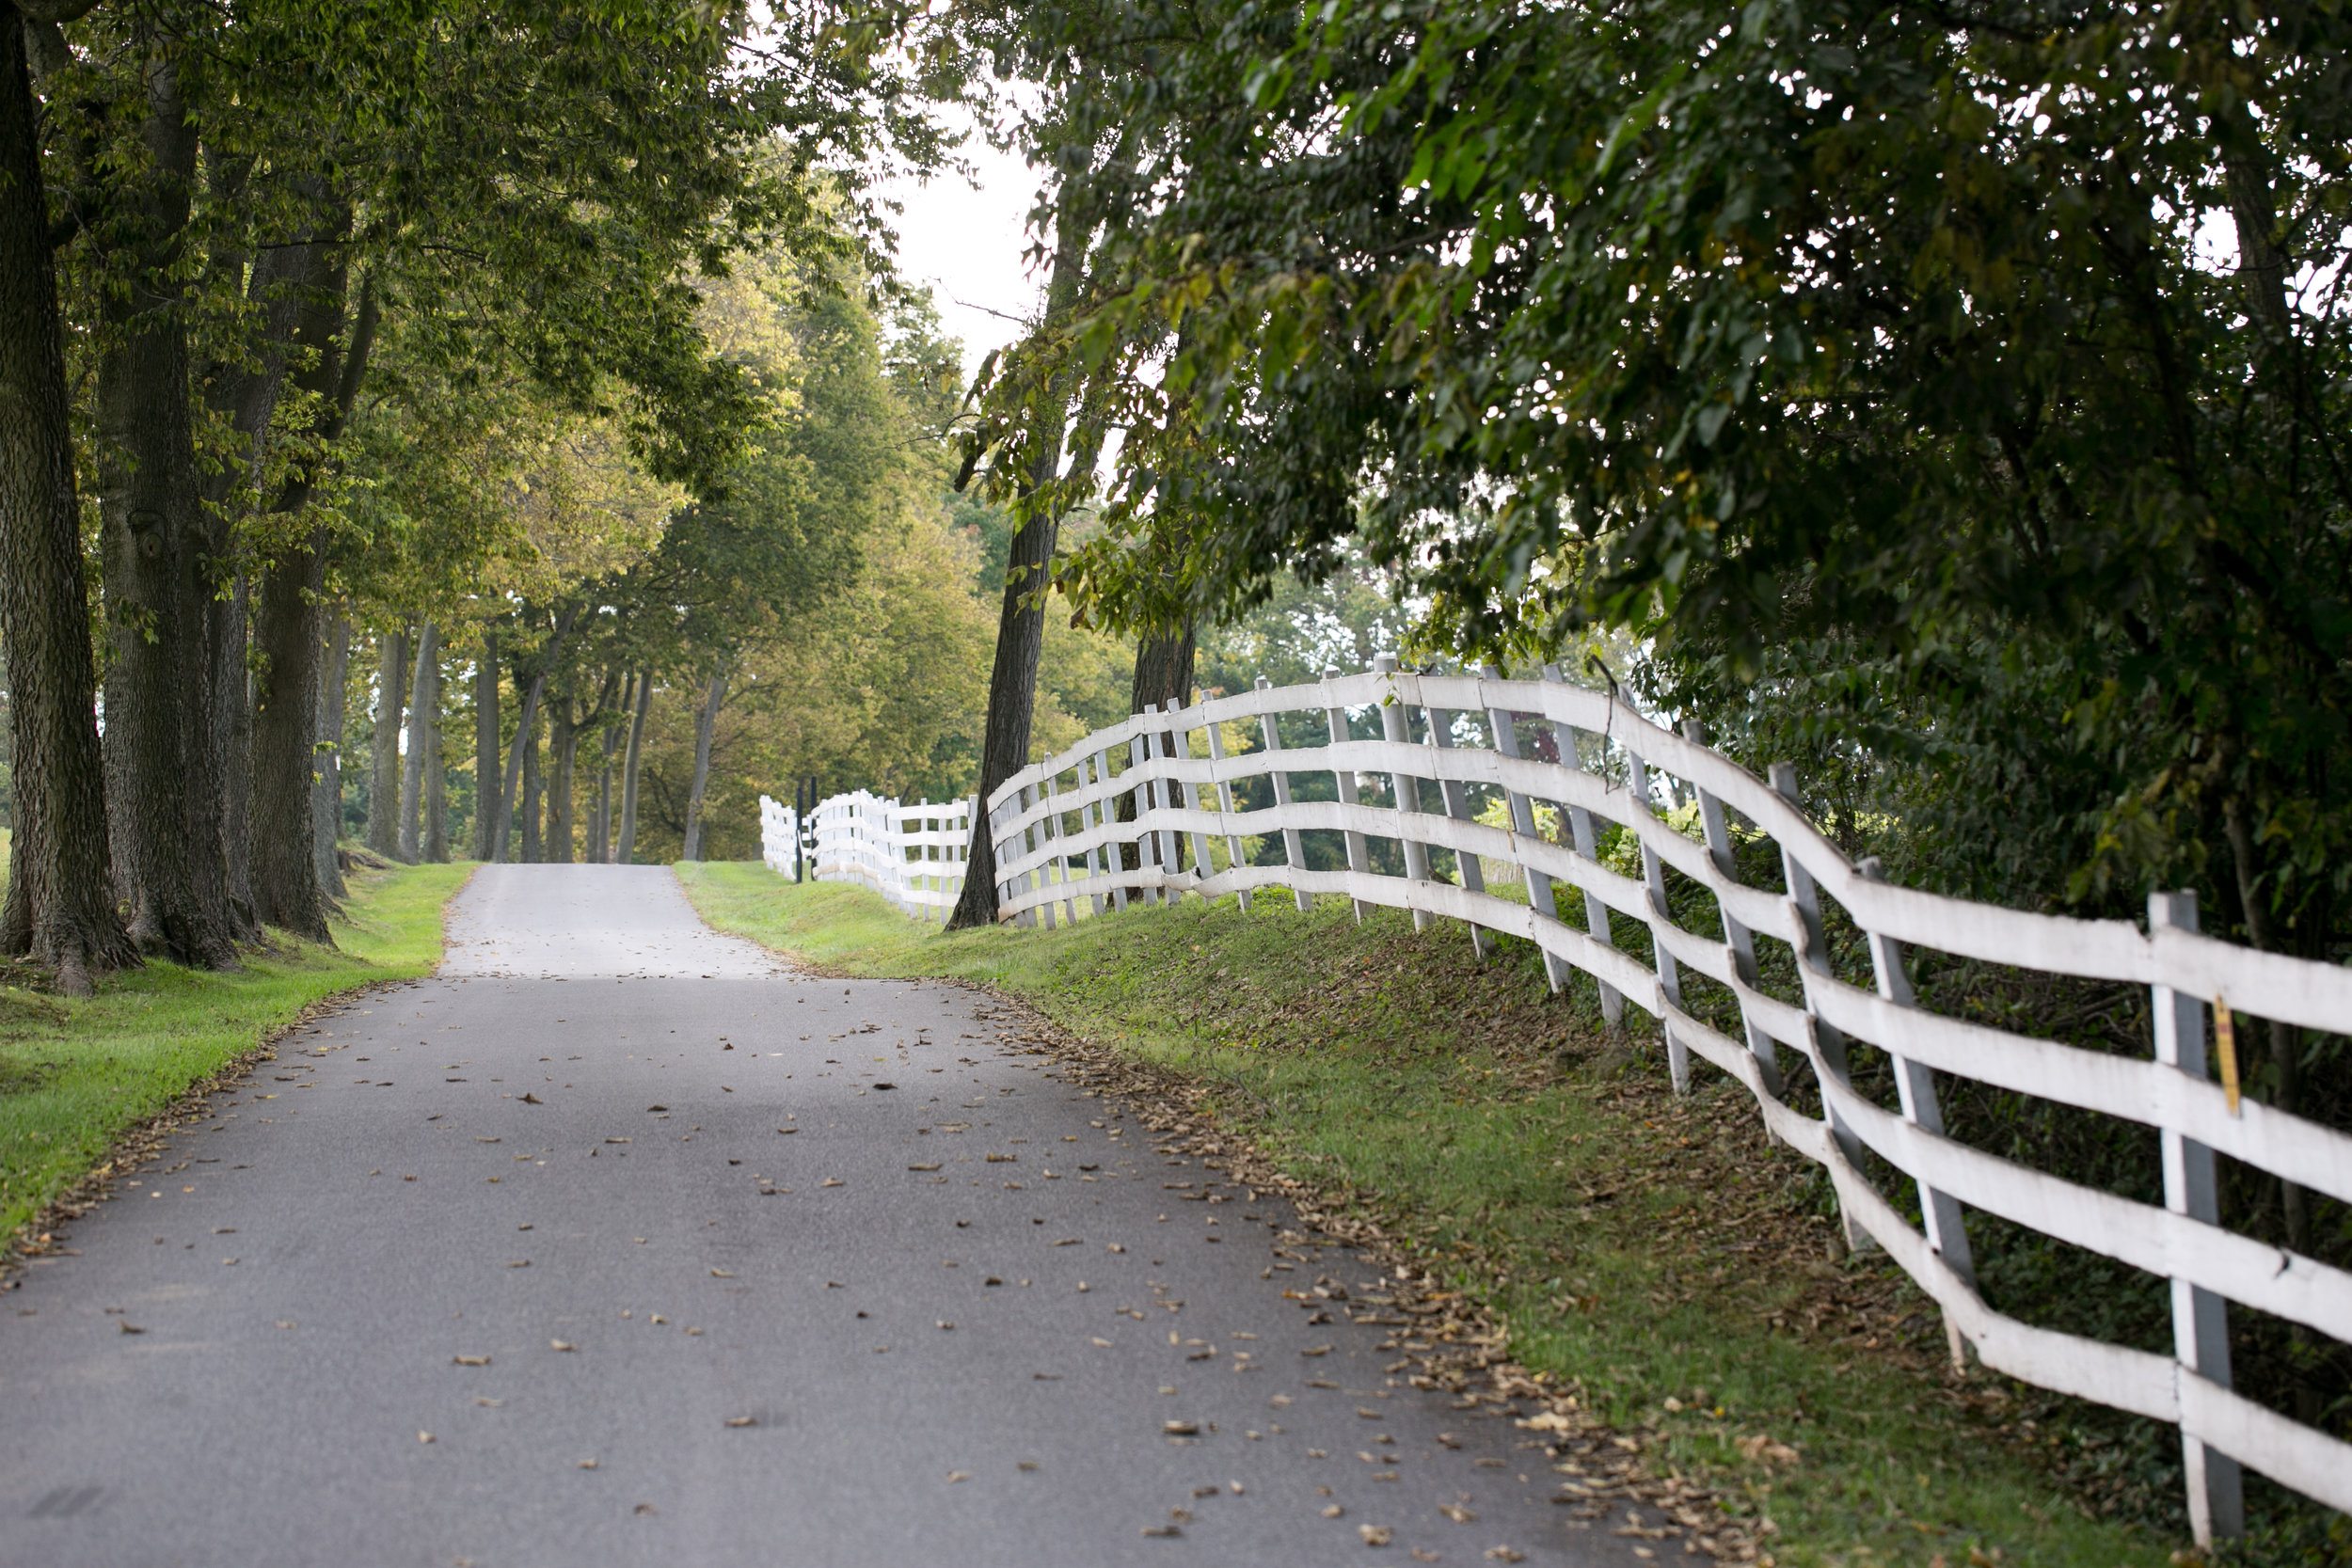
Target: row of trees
[413, 316]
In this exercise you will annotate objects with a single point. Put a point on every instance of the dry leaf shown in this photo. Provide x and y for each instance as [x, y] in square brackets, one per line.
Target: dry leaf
[1456, 1512]
[1334, 1512]
[1181, 1429]
[473, 1361]
[424, 1437]
[741, 1421]
[587, 1463]
[1504, 1554]
[1375, 1535]
[129, 1329]
[833, 1181]
[721, 1274]
[560, 1344]
[923, 1167]
[955, 1476]
[644, 1508]
[1162, 1529]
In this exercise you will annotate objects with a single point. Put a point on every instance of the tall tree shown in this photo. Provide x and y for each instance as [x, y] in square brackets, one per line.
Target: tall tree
[59, 907]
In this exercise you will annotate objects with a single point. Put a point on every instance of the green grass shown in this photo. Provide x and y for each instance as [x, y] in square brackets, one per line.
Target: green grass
[1639, 1247]
[74, 1075]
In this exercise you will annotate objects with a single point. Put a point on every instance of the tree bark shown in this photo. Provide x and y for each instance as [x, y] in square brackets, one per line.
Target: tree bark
[487, 831]
[391, 704]
[562, 741]
[599, 844]
[426, 741]
[152, 538]
[706, 726]
[59, 907]
[1020, 621]
[524, 723]
[527, 742]
[285, 882]
[232, 726]
[327, 801]
[625, 852]
[1163, 673]
[426, 684]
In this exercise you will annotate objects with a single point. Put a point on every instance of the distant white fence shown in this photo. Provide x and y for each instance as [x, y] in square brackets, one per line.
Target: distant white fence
[1060, 842]
[911, 855]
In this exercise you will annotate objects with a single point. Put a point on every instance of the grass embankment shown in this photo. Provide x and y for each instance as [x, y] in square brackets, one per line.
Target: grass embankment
[1655, 1254]
[76, 1076]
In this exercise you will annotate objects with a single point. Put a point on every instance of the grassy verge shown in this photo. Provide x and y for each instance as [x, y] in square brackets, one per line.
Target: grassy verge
[77, 1075]
[1655, 1254]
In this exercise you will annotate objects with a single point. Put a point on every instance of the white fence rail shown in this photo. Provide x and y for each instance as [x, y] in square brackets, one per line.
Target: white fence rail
[1060, 842]
[911, 855]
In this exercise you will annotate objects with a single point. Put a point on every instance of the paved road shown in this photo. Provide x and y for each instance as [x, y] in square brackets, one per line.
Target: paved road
[660, 1242]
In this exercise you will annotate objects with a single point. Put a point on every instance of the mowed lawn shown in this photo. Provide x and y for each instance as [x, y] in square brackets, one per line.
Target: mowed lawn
[74, 1075]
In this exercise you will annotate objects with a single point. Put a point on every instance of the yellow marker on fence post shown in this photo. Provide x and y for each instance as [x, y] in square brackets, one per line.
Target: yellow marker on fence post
[2225, 1047]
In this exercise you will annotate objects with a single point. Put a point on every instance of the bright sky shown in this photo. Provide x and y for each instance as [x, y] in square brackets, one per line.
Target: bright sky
[967, 244]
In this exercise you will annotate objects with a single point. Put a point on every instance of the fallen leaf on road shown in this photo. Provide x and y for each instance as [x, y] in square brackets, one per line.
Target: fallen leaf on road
[1504, 1554]
[472, 1360]
[424, 1437]
[721, 1274]
[519, 1263]
[587, 1463]
[616, 1140]
[644, 1508]
[1162, 1529]
[922, 1167]
[833, 1181]
[1067, 1240]
[1375, 1535]
[1181, 1429]
[1316, 1350]
[741, 1421]
[129, 1329]
[1103, 1343]
[1334, 1512]
[652, 1108]
[1456, 1512]
[1116, 1247]
[955, 1476]
[533, 1099]
[560, 1344]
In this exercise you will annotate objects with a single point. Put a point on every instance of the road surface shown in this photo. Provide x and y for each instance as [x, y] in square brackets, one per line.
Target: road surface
[622, 1241]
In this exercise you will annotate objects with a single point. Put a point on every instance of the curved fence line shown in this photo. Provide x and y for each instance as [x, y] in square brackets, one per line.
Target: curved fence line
[1147, 809]
[911, 855]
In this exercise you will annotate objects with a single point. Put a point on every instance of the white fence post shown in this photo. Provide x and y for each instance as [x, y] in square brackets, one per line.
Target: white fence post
[1396, 728]
[2201, 1319]
[1291, 855]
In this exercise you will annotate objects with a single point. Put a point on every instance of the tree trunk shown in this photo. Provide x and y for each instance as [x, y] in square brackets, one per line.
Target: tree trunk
[424, 737]
[328, 802]
[152, 539]
[528, 742]
[706, 725]
[526, 723]
[242, 394]
[427, 675]
[625, 852]
[1163, 673]
[562, 741]
[599, 848]
[391, 704]
[1020, 621]
[233, 723]
[285, 712]
[487, 831]
[59, 907]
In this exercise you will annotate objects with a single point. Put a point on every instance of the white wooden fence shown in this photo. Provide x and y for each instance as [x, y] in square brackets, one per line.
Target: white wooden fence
[911, 855]
[1062, 845]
